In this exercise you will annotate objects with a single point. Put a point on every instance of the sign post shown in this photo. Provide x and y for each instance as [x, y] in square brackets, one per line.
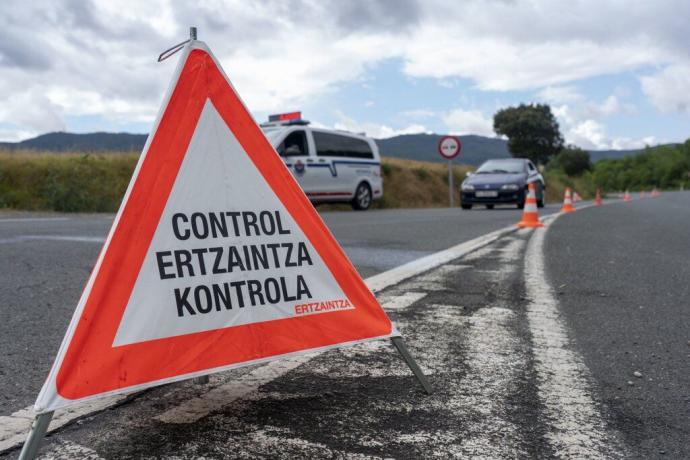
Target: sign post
[449, 147]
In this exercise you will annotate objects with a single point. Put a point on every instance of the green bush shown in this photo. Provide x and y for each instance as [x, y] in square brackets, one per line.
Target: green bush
[572, 160]
[666, 166]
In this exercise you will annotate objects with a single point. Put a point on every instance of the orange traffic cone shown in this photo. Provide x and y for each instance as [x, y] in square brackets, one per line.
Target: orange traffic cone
[530, 216]
[598, 201]
[627, 196]
[655, 193]
[567, 202]
[642, 195]
[576, 197]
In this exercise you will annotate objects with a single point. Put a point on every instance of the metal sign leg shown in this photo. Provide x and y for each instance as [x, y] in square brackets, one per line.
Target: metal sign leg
[38, 431]
[402, 349]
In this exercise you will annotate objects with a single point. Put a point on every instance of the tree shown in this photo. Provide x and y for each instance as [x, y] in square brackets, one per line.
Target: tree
[532, 131]
[572, 160]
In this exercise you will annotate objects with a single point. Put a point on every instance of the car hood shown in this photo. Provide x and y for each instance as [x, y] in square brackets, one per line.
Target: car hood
[495, 179]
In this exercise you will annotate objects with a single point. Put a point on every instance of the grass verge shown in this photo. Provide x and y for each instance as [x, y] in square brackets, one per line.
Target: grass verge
[96, 182]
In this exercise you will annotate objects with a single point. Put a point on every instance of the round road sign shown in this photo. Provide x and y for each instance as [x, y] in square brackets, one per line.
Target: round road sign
[449, 147]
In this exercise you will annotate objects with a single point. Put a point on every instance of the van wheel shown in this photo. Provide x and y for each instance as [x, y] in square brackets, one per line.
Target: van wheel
[466, 206]
[362, 199]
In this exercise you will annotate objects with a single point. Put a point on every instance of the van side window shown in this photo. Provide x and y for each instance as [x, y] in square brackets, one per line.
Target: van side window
[333, 145]
[531, 166]
[295, 144]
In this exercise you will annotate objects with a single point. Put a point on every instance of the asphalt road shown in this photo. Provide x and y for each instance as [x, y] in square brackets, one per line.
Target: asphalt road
[464, 323]
[622, 274]
[566, 342]
[45, 260]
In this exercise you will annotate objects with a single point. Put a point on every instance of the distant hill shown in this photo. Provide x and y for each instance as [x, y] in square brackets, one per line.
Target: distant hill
[424, 147]
[421, 147]
[475, 149]
[596, 155]
[71, 142]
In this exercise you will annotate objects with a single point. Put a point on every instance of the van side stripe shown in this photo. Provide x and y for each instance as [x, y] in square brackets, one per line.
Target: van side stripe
[334, 163]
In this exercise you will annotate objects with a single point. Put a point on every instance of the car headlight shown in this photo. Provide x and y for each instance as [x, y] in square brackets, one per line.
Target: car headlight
[467, 187]
[510, 187]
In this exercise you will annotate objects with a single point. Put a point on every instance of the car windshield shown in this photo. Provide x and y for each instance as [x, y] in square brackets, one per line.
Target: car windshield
[502, 167]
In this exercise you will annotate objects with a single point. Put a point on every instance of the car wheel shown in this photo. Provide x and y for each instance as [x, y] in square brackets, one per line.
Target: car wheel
[489, 206]
[540, 196]
[362, 199]
[466, 206]
[521, 202]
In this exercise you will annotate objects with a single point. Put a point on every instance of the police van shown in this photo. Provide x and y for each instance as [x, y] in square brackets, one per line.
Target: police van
[330, 166]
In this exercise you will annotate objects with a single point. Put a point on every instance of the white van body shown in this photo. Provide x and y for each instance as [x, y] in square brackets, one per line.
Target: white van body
[330, 166]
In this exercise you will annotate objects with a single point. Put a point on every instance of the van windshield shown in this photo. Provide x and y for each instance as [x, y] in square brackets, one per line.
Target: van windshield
[272, 133]
[502, 167]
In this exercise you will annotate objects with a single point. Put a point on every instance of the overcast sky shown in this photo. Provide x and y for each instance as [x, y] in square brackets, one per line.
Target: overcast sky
[616, 73]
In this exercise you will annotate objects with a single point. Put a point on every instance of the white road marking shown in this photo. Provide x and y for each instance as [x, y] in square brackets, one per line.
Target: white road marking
[70, 450]
[398, 274]
[14, 428]
[577, 428]
[495, 361]
[400, 302]
[435, 279]
[511, 251]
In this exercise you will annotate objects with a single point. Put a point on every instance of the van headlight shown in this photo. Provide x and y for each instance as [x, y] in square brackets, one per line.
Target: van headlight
[467, 188]
[510, 187]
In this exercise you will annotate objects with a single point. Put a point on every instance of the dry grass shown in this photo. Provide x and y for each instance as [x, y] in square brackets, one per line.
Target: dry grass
[418, 184]
[96, 182]
[71, 182]
[65, 182]
[557, 181]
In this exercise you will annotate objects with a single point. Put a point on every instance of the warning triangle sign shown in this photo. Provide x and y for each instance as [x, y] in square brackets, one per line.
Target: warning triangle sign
[216, 258]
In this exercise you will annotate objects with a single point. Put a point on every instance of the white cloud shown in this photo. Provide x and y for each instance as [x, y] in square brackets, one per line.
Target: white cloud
[461, 121]
[560, 94]
[588, 134]
[418, 113]
[591, 135]
[375, 130]
[32, 111]
[625, 143]
[581, 122]
[72, 58]
[669, 90]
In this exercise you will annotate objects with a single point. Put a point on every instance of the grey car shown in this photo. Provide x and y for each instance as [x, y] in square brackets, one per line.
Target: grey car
[501, 182]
